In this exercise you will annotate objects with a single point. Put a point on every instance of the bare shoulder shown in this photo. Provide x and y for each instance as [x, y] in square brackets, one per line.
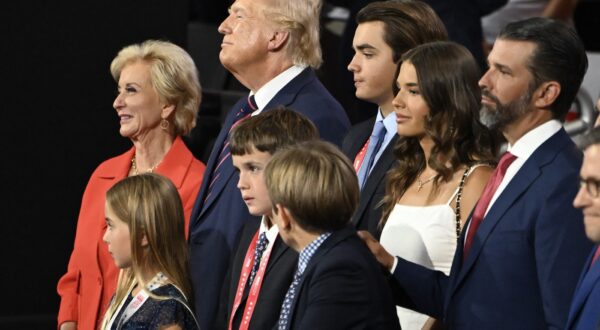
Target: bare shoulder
[479, 176]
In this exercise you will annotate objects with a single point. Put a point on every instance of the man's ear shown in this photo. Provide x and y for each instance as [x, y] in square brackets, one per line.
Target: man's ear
[546, 94]
[278, 40]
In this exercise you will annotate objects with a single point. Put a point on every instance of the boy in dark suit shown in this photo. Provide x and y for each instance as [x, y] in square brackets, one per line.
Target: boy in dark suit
[337, 284]
[262, 266]
[386, 30]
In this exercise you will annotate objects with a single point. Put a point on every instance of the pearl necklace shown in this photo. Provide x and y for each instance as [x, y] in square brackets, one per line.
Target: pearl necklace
[420, 183]
[135, 170]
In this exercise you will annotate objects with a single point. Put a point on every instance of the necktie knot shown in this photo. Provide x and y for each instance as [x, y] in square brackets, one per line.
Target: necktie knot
[247, 108]
[505, 161]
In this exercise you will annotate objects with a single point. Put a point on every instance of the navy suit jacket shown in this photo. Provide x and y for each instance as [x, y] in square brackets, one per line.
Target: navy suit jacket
[217, 219]
[343, 287]
[368, 213]
[585, 308]
[519, 271]
[277, 279]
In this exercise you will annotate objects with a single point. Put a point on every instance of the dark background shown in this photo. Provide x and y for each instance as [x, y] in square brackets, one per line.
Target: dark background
[58, 124]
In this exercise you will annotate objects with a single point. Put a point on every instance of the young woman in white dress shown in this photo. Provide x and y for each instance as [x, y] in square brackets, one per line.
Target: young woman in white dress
[444, 159]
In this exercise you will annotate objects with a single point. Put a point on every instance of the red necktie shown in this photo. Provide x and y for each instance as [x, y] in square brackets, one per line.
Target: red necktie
[486, 197]
[595, 257]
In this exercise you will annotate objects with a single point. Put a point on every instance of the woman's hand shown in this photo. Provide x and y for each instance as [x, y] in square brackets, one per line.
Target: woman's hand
[382, 256]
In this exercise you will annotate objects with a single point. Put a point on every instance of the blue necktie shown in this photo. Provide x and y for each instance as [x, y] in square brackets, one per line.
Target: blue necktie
[287, 302]
[246, 109]
[261, 246]
[375, 142]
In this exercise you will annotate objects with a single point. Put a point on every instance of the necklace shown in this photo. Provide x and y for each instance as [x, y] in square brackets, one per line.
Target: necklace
[135, 170]
[420, 183]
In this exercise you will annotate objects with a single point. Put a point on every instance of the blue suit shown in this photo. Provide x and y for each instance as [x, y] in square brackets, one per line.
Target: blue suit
[343, 287]
[585, 308]
[217, 219]
[519, 271]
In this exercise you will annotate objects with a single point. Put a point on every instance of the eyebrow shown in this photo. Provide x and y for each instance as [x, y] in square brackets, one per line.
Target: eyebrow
[502, 67]
[364, 46]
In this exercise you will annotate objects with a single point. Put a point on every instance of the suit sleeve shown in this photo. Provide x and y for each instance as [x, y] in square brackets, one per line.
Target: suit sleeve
[561, 249]
[419, 288]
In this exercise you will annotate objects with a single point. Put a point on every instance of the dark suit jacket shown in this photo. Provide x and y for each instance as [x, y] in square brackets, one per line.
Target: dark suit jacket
[278, 277]
[519, 271]
[217, 219]
[368, 213]
[585, 308]
[343, 288]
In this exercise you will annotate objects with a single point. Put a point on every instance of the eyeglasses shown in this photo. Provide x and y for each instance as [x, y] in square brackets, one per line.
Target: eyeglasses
[592, 186]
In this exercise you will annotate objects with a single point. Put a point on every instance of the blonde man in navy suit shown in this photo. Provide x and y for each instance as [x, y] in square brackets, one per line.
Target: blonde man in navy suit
[272, 48]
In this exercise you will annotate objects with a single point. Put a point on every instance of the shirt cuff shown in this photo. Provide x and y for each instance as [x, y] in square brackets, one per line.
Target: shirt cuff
[394, 265]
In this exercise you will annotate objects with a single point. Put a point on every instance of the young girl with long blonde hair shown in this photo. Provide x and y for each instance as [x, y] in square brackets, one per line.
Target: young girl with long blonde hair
[145, 236]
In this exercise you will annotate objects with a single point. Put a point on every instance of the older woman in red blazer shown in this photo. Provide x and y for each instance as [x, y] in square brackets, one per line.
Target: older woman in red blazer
[158, 97]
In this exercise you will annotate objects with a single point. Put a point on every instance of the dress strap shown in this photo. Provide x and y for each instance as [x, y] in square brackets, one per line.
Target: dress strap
[466, 174]
[458, 194]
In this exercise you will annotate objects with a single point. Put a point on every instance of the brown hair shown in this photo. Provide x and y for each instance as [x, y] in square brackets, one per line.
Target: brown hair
[270, 131]
[407, 24]
[448, 78]
[316, 183]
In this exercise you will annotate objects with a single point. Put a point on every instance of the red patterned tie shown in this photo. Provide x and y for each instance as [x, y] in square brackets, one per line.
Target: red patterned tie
[486, 197]
[242, 114]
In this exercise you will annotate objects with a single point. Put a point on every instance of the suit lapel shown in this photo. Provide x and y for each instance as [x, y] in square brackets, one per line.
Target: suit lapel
[588, 279]
[384, 163]
[279, 248]
[526, 175]
[288, 93]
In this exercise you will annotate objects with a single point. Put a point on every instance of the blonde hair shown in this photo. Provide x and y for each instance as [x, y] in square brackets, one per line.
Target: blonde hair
[301, 19]
[316, 183]
[151, 207]
[173, 76]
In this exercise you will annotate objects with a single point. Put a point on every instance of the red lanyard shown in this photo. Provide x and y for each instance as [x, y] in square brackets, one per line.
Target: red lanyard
[256, 284]
[360, 157]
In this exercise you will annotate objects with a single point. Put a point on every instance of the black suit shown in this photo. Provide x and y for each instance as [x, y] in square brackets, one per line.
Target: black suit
[277, 279]
[343, 287]
[368, 213]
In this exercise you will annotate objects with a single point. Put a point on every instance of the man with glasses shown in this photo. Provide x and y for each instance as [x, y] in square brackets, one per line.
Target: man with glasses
[585, 307]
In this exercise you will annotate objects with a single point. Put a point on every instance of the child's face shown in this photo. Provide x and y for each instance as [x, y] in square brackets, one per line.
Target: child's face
[117, 238]
[252, 186]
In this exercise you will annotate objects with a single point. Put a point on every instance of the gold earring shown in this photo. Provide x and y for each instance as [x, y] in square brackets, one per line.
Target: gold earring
[164, 124]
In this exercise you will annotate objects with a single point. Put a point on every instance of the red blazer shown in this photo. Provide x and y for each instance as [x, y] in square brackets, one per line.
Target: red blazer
[91, 276]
